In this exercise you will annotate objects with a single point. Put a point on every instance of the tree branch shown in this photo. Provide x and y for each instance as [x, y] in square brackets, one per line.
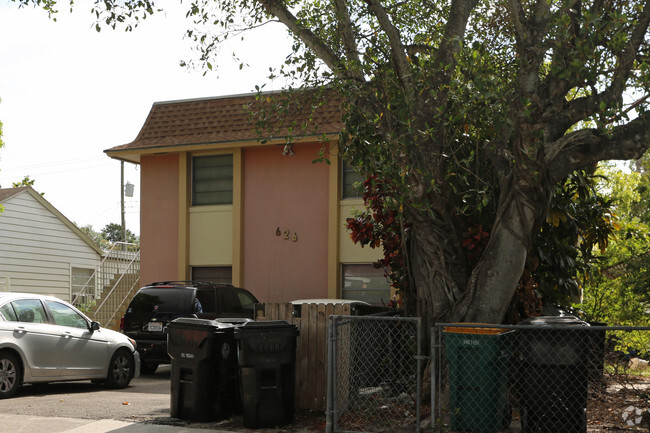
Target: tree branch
[530, 34]
[398, 52]
[452, 40]
[628, 56]
[556, 85]
[585, 107]
[588, 146]
[349, 41]
[322, 50]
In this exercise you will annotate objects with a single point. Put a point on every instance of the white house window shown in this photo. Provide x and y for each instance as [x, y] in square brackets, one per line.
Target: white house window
[364, 282]
[83, 279]
[212, 180]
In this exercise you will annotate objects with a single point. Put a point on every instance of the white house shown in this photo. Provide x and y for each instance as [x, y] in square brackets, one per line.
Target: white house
[41, 251]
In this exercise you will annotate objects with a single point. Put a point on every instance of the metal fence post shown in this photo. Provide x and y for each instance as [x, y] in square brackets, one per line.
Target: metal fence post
[331, 371]
[418, 376]
[434, 372]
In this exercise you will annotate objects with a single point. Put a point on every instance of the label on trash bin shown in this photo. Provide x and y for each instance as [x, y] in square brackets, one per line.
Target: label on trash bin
[225, 351]
[187, 355]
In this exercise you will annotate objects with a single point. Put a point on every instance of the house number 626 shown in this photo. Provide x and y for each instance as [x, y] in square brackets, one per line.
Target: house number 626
[286, 234]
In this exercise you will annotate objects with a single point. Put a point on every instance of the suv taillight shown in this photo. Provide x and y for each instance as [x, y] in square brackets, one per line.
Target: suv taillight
[122, 325]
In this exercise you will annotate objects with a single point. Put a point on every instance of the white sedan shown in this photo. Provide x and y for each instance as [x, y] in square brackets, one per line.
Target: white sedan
[45, 339]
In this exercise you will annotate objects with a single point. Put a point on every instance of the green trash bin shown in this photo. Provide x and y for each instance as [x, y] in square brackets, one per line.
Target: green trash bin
[478, 378]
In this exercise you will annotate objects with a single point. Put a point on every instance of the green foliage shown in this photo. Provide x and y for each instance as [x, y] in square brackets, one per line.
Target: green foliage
[26, 182]
[95, 236]
[381, 225]
[616, 291]
[86, 307]
[110, 234]
[113, 233]
[49, 6]
[579, 219]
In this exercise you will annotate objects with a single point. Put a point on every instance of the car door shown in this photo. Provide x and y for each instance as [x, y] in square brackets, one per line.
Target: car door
[38, 339]
[205, 303]
[229, 304]
[84, 353]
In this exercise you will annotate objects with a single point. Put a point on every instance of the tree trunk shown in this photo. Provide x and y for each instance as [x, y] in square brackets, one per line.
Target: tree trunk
[443, 290]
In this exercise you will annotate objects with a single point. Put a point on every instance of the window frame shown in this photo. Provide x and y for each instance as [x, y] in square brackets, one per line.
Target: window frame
[349, 177]
[220, 274]
[383, 292]
[197, 183]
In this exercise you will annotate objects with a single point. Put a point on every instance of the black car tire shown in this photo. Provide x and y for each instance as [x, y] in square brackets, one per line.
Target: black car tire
[148, 367]
[10, 374]
[120, 369]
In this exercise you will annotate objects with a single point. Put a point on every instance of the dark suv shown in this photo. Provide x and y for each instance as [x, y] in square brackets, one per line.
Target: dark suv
[157, 304]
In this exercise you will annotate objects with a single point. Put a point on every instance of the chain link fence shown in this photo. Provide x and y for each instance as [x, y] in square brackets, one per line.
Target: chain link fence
[374, 375]
[551, 375]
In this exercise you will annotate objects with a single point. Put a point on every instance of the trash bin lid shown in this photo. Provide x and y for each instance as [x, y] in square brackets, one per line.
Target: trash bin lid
[257, 324]
[261, 326]
[233, 320]
[193, 322]
[554, 321]
[483, 330]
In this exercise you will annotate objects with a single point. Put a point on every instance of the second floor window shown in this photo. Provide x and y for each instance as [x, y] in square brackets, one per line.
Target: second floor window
[212, 180]
[352, 183]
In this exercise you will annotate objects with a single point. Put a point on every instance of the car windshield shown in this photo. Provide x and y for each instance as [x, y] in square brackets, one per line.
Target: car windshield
[162, 300]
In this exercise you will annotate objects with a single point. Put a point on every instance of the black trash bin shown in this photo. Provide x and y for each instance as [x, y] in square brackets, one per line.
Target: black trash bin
[552, 374]
[204, 384]
[267, 364]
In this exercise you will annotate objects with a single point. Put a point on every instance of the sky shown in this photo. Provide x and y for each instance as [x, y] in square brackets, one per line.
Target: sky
[68, 93]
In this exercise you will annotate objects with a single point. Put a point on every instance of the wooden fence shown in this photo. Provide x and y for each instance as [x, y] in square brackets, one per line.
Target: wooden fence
[311, 347]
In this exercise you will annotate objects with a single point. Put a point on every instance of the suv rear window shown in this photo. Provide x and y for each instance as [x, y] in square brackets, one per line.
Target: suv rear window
[162, 300]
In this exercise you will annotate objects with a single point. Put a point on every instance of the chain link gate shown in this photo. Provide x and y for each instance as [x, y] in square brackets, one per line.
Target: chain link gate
[553, 375]
[374, 374]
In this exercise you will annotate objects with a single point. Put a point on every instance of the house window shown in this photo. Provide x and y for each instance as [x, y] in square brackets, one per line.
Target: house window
[83, 279]
[213, 274]
[212, 180]
[351, 182]
[364, 282]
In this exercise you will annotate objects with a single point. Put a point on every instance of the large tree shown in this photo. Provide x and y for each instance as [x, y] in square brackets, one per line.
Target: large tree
[473, 110]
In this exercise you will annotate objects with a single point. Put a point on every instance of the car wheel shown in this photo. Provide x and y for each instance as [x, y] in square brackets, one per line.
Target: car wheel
[10, 374]
[120, 370]
[148, 367]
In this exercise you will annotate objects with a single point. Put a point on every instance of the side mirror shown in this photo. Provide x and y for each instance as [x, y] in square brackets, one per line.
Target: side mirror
[94, 326]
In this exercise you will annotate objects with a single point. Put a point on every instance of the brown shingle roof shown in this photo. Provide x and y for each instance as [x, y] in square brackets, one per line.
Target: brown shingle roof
[6, 193]
[217, 120]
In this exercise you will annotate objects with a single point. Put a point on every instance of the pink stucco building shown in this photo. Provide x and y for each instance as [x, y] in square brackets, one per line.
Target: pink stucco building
[219, 204]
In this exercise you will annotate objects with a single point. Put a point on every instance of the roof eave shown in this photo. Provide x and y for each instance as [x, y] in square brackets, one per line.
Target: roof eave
[134, 154]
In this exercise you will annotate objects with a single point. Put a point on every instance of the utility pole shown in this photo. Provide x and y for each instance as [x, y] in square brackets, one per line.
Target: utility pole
[122, 196]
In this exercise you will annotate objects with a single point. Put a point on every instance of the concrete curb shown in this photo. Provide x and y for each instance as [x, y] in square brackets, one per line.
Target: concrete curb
[31, 424]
